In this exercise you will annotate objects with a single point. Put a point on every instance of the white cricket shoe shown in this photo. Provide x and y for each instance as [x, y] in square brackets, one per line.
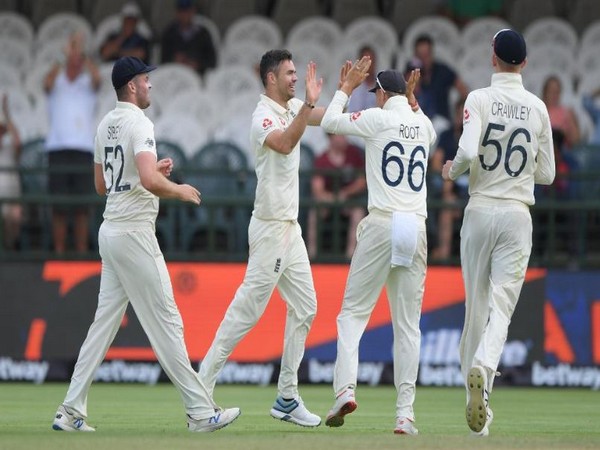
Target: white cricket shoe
[221, 419]
[485, 432]
[65, 420]
[345, 403]
[404, 425]
[477, 407]
[294, 411]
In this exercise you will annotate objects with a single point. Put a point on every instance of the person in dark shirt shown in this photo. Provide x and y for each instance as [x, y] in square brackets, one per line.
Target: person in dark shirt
[187, 42]
[437, 79]
[127, 41]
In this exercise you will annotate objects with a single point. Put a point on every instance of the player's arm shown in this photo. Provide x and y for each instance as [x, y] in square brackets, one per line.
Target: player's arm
[468, 143]
[284, 141]
[153, 180]
[99, 179]
[317, 115]
[546, 167]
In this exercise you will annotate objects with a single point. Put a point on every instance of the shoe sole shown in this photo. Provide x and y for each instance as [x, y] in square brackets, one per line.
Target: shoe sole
[285, 417]
[406, 433]
[337, 420]
[476, 412]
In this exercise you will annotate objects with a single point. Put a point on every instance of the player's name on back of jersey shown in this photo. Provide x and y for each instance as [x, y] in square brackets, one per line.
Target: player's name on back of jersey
[409, 131]
[509, 111]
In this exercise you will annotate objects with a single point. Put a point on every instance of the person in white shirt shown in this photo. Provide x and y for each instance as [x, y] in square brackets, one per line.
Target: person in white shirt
[278, 255]
[391, 245]
[126, 170]
[507, 146]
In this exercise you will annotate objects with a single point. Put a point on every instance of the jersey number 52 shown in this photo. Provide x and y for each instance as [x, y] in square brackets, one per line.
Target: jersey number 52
[116, 156]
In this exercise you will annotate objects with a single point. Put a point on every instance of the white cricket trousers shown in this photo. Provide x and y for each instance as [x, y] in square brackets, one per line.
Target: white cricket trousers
[495, 248]
[278, 257]
[370, 269]
[134, 270]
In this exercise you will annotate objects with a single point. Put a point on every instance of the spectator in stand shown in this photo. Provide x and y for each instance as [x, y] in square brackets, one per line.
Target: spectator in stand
[361, 98]
[437, 79]
[561, 117]
[591, 103]
[127, 41]
[462, 12]
[10, 184]
[451, 191]
[72, 94]
[339, 177]
[187, 42]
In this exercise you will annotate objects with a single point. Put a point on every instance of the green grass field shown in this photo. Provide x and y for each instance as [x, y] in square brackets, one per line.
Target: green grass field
[152, 417]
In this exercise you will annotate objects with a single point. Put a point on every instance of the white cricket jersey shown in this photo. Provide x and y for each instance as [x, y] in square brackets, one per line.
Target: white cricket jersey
[506, 141]
[277, 190]
[123, 133]
[398, 142]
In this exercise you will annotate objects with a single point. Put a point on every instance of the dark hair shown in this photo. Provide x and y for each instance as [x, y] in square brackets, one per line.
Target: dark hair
[424, 39]
[549, 80]
[121, 92]
[270, 62]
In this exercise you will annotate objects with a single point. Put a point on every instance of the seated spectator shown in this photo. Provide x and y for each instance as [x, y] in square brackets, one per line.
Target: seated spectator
[437, 79]
[562, 118]
[451, 191]
[462, 12]
[10, 185]
[72, 96]
[339, 177]
[187, 42]
[361, 97]
[127, 41]
[591, 103]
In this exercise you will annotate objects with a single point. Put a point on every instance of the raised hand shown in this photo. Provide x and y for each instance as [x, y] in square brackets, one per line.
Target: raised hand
[313, 85]
[344, 72]
[357, 74]
[411, 85]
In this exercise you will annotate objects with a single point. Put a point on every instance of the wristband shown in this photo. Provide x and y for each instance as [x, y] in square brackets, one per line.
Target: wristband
[310, 105]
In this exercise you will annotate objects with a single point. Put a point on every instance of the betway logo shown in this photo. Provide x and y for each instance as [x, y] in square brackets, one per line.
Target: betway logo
[368, 372]
[23, 370]
[246, 373]
[565, 375]
[440, 376]
[122, 372]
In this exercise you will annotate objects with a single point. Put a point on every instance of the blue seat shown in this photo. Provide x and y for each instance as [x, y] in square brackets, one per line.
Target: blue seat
[218, 170]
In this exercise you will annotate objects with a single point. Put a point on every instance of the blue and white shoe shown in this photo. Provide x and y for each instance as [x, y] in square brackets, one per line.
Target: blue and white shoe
[65, 420]
[294, 411]
[221, 419]
[477, 412]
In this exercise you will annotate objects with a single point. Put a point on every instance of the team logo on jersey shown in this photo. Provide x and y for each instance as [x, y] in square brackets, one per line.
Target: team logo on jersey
[467, 115]
[149, 142]
[354, 116]
[282, 122]
[267, 123]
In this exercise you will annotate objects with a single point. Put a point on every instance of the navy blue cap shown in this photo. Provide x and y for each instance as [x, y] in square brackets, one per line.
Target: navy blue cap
[126, 68]
[509, 46]
[390, 81]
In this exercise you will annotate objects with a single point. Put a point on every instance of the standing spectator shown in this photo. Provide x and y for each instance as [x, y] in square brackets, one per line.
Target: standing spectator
[127, 41]
[437, 79]
[72, 94]
[591, 103]
[561, 117]
[10, 185]
[506, 155]
[361, 97]
[187, 42]
[449, 191]
[339, 176]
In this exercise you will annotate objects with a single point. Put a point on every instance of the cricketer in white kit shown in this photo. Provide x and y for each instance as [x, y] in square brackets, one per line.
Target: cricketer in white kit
[391, 241]
[133, 268]
[507, 147]
[278, 255]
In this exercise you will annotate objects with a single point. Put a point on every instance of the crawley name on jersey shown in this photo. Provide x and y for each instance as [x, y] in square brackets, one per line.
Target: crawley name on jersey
[123, 133]
[515, 149]
[398, 142]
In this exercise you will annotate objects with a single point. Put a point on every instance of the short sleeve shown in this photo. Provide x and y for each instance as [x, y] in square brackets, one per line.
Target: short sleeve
[143, 137]
[263, 124]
